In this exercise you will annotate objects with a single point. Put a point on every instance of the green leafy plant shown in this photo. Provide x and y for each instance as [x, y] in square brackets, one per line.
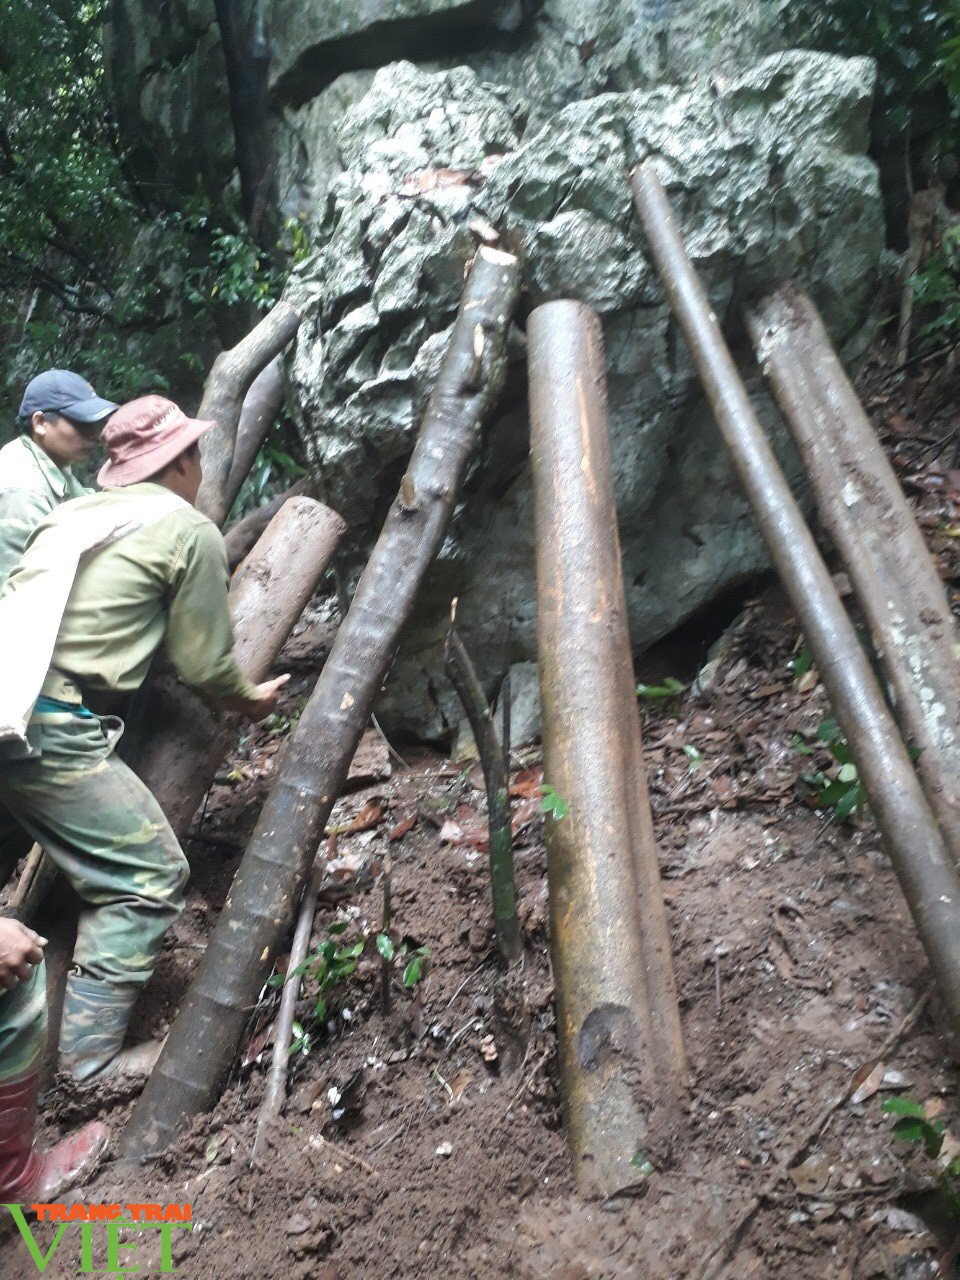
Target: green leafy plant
[801, 664]
[413, 959]
[273, 471]
[328, 967]
[840, 790]
[694, 757]
[552, 803]
[914, 1126]
[916, 45]
[936, 289]
[659, 694]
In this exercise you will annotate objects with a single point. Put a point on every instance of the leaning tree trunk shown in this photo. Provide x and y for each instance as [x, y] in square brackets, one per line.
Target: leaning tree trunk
[230, 379]
[267, 596]
[867, 516]
[261, 405]
[622, 1062]
[268, 884]
[913, 840]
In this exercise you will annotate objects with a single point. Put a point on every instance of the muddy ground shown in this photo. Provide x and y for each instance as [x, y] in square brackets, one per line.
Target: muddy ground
[427, 1141]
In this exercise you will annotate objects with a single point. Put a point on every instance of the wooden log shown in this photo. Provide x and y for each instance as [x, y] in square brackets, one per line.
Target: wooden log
[496, 781]
[871, 524]
[261, 405]
[241, 537]
[623, 1069]
[226, 388]
[912, 838]
[269, 883]
[267, 596]
[276, 1089]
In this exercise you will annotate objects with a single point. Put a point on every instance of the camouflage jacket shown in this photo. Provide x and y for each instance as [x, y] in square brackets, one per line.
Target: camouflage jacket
[31, 485]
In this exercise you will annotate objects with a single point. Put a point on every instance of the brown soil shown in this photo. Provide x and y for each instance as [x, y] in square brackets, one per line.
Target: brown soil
[427, 1142]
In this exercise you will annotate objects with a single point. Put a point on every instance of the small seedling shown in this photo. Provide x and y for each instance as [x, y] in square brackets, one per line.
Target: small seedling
[913, 1126]
[801, 664]
[552, 803]
[329, 966]
[695, 758]
[416, 958]
[660, 694]
[843, 791]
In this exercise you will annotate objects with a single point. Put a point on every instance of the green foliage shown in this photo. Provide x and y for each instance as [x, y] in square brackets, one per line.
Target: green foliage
[913, 1126]
[801, 664]
[552, 803]
[937, 292]
[92, 274]
[273, 471]
[328, 967]
[660, 694]
[916, 45]
[841, 789]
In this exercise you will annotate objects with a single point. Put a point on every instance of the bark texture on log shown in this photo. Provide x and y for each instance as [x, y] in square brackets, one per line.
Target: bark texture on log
[270, 880]
[872, 526]
[913, 840]
[267, 595]
[261, 405]
[241, 537]
[230, 379]
[623, 1067]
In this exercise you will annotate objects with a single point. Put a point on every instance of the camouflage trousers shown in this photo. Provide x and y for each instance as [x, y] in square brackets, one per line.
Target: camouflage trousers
[100, 825]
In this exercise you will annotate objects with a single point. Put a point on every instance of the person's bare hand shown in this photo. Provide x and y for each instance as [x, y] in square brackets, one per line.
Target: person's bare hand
[20, 950]
[264, 702]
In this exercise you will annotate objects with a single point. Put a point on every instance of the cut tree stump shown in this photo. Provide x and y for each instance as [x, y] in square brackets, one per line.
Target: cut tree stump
[270, 881]
[623, 1068]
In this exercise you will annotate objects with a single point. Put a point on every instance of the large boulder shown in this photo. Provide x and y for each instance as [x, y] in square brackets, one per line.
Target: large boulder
[768, 174]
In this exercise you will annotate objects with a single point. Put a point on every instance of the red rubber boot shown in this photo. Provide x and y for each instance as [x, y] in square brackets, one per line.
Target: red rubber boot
[27, 1176]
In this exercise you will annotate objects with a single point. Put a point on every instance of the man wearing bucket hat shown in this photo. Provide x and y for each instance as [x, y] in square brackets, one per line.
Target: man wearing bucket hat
[60, 419]
[160, 574]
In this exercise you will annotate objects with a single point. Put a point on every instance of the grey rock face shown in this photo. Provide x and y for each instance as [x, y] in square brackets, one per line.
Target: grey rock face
[767, 173]
[169, 82]
[313, 40]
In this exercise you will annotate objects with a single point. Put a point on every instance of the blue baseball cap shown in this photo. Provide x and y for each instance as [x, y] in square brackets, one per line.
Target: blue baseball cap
[60, 391]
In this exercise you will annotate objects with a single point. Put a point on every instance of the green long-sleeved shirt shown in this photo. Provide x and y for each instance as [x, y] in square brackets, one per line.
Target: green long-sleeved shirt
[167, 581]
[31, 486]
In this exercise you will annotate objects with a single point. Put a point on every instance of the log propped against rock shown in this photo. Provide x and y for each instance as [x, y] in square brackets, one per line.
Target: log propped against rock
[276, 865]
[913, 839]
[231, 377]
[268, 593]
[621, 1049]
[863, 507]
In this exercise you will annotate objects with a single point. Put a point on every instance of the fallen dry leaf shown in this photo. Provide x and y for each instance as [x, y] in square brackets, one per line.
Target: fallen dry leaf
[811, 1177]
[369, 816]
[459, 1085]
[527, 783]
[526, 812]
[866, 1081]
[401, 829]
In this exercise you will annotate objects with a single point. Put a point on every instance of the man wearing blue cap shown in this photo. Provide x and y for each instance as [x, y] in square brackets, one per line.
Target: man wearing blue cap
[60, 418]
